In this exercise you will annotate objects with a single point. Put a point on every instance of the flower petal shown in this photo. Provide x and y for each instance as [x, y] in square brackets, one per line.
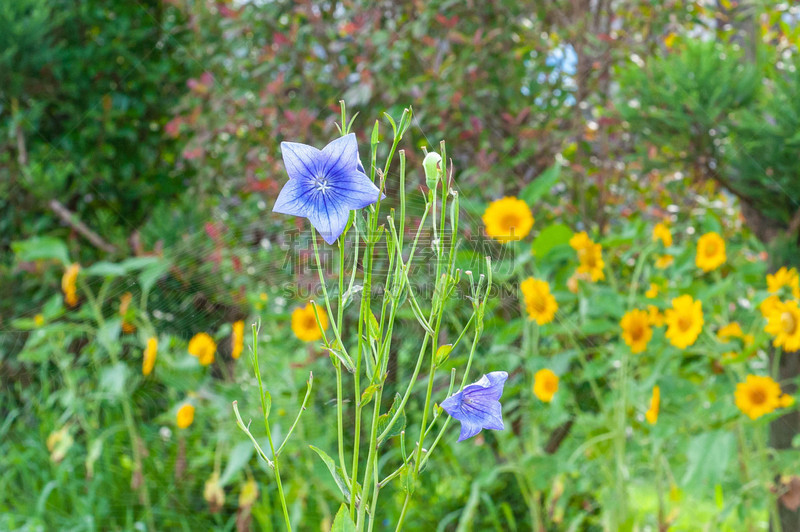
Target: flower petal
[296, 198]
[301, 160]
[452, 405]
[340, 155]
[489, 386]
[329, 216]
[468, 430]
[356, 189]
[488, 414]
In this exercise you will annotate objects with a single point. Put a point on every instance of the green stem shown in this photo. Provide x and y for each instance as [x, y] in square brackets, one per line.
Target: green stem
[275, 460]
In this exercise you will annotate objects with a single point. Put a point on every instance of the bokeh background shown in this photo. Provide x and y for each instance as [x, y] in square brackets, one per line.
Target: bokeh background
[141, 140]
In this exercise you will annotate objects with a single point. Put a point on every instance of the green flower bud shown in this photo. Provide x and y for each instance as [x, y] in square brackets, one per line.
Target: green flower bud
[433, 169]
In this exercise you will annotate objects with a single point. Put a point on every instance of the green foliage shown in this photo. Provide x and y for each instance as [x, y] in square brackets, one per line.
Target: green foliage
[765, 140]
[682, 101]
[88, 89]
[158, 125]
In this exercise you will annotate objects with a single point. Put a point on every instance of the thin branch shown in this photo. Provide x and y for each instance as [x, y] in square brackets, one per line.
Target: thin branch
[70, 219]
[794, 224]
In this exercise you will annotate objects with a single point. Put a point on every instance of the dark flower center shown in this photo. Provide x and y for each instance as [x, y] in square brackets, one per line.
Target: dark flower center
[510, 222]
[321, 184]
[539, 303]
[758, 397]
[789, 323]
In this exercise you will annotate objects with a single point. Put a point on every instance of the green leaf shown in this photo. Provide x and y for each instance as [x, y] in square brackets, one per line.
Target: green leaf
[368, 393]
[237, 459]
[41, 247]
[337, 477]
[408, 479]
[112, 380]
[374, 327]
[383, 420]
[150, 274]
[541, 185]
[550, 237]
[105, 269]
[267, 403]
[108, 334]
[343, 522]
[138, 263]
[708, 455]
[361, 225]
[375, 134]
[442, 354]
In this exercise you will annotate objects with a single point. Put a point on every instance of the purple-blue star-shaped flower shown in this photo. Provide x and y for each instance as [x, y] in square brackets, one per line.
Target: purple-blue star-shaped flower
[324, 186]
[477, 406]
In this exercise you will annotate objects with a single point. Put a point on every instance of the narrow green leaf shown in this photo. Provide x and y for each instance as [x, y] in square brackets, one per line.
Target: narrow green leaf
[541, 185]
[238, 458]
[105, 269]
[383, 420]
[267, 403]
[331, 465]
[374, 327]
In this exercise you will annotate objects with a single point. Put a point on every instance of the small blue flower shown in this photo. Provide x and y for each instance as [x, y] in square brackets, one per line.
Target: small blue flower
[477, 406]
[324, 186]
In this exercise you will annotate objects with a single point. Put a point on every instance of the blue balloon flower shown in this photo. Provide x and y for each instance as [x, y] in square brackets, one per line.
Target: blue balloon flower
[477, 406]
[324, 186]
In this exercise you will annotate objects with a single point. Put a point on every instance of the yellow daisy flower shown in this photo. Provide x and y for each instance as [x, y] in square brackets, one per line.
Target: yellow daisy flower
[785, 401]
[539, 302]
[185, 416]
[508, 219]
[38, 320]
[652, 291]
[784, 324]
[68, 284]
[237, 339]
[203, 347]
[684, 321]
[655, 316]
[769, 305]
[655, 403]
[664, 261]
[545, 385]
[757, 396]
[732, 330]
[661, 232]
[590, 256]
[710, 252]
[149, 357]
[636, 330]
[784, 277]
[304, 324]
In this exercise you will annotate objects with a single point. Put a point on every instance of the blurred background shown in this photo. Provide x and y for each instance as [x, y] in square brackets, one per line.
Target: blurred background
[141, 140]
